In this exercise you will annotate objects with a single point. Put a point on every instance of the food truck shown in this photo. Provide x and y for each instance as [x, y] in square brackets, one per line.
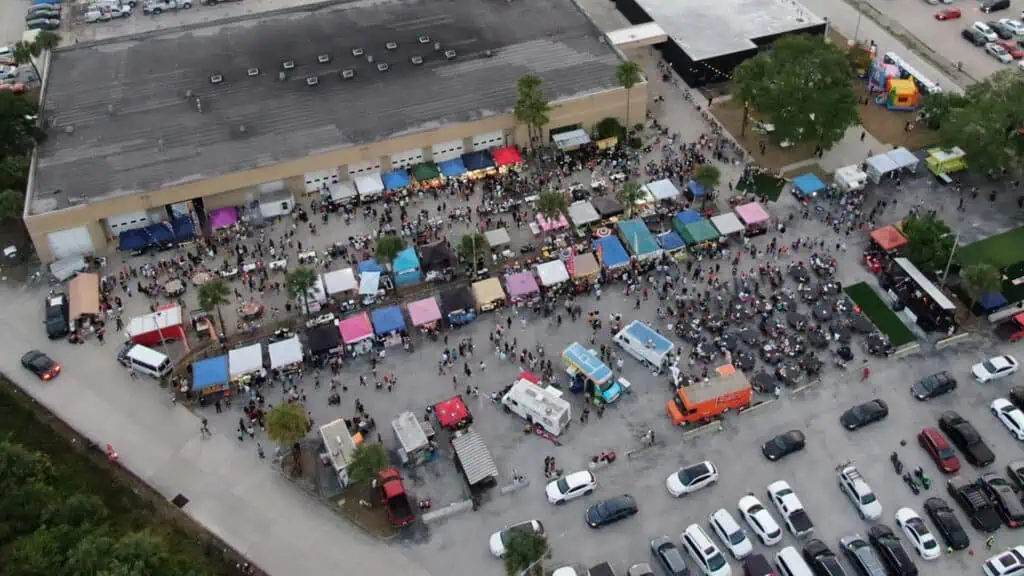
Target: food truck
[539, 405]
[158, 327]
[645, 344]
[588, 374]
[522, 288]
[728, 390]
[414, 438]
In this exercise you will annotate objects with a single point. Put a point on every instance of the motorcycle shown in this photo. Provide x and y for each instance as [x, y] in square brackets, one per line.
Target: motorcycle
[923, 478]
[908, 479]
[896, 463]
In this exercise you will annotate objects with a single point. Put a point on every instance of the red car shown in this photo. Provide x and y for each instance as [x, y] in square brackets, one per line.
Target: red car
[1012, 48]
[948, 14]
[936, 445]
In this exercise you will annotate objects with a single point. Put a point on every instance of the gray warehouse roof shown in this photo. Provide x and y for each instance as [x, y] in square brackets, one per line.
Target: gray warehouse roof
[140, 113]
[706, 29]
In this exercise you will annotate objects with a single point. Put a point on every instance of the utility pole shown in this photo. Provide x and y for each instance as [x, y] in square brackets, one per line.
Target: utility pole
[949, 263]
[472, 238]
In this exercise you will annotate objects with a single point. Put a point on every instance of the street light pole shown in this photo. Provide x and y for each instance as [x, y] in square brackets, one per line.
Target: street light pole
[949, 263]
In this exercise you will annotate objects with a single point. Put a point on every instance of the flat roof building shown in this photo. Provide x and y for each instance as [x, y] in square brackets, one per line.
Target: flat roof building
[706, 40]
[292, 100]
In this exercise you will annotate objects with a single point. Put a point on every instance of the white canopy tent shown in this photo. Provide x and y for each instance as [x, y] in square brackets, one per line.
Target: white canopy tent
[245, 360]
[285, 352]
[496, 238]
[663, 189]
[879, 167]
[369, 283]
[903, 159]
[552, 273]
[582, 213]
[727, 224]
[571, 140]
[369, 185]
[344, 191]
[343, 280]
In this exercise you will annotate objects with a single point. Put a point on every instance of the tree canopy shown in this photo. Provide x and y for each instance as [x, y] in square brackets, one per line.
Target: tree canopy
[630, 193]
[551, 204]
[388, 246]
[628, 74]
[366, 461]
[212, 296]
[804, 86]
[525, 550]
[299, 282]
[980, 279]
[531, 107]
[472, 244]
[287, 423]
[929, 242]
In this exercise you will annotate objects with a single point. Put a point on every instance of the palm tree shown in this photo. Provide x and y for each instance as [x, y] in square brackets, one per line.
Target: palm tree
[212, 296]
[299, 282]
[470, 245]
[366, 461]
[709, 177]
[27, 52]
[628, 75]
[12, 204]
[629, 195]
[531, 108]
[388, 246]
[551, 205]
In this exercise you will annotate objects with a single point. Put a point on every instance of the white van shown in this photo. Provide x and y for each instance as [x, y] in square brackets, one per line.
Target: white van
[146, 361]
[645, 344]
[791, 563]
[538, 405]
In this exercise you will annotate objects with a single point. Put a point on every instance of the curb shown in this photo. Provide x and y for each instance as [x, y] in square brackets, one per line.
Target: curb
[947, 342]
[757, 407]
[805, 387]
[716, 426]
[906, 350]
[447, 511]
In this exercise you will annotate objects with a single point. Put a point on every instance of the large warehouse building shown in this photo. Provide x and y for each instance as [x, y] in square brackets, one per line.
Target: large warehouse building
[268, 108]
[707, 40]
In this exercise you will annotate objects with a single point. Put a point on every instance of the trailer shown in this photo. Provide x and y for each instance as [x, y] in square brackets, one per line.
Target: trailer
[155, 328]
[645, 344]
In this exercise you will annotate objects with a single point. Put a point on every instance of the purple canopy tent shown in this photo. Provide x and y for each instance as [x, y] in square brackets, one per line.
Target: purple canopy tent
[223, 217]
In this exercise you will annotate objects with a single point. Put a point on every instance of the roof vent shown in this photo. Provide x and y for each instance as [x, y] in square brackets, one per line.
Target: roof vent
[242, 128]
[488, 53]
[424, 39]
[252, 72]
[69, 129]
[369, 58]
[282, 76]
[417, 60]
[288, 64]
[449, 54]
[312, 80]
[383, 67]
[216, 78]
[391, 45]
[199, 105]
[110, 109]
[348, 74]
[188, 94]
[357, 52]
[323, 58]
[437, 46]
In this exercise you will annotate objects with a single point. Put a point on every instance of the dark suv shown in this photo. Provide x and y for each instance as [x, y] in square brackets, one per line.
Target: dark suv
[1004, 496]
[896, 559]
[821, 559]
[56, 315]
[989, 6]
[973, 36]
[862, 556]
[979, 509]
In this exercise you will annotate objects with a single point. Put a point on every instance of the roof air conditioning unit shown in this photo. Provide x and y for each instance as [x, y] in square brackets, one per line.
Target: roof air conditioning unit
[288, 64]
[282, 76]
[437, 46]
[357, 52]
[188, 94]
[369, 58]
[424, 39]
[391, 45]
[488, 53]
[417, 60]
[383, 67]
[312, 80]
[449, 54]
[252, 72]
[323, 58]
[216, 78]
[348, 74]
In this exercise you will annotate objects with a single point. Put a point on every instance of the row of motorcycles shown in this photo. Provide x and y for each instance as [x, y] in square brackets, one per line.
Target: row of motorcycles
[915, 480]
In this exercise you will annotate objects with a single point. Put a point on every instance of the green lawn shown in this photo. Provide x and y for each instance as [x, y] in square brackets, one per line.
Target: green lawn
[764, 184]
[883, 317]
[1001, 250]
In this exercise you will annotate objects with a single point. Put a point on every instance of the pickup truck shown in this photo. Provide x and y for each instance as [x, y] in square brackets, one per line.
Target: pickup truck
[792, 510]
[1012, 329]
[392, 493]
[858, 491]
[160, 6]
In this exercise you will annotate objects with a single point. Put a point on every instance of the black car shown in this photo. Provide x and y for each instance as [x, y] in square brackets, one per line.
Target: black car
[979, 509]
[946, 523]
[611, 511]
[964, 436]
[670, 557]
[862, 556]
[783, 445]
[1015, 472]
[1003, 32]
[935, 385]
[757, 565]
[822, 559]
[1004, 495]
[56, 315]
[989, 6]
[40, 364]
[1016, 393]
[895, 558]
[863, 414]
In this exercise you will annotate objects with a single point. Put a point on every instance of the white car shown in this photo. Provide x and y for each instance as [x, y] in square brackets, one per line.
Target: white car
[987, 33]
[500, 538]
[918, 534]
[1012, 25]
[998, 52]
[704, 552]
[570, 487]
[1009, 562]
[1010, 416]
[730, 534]
[760, 520]
[691, 478]
[998, 366]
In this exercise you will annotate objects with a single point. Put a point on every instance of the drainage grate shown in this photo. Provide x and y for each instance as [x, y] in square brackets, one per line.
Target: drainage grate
[180, 501]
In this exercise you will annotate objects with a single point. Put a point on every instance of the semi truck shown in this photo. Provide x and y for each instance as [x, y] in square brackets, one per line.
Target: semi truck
[395, 498]
[728, 390]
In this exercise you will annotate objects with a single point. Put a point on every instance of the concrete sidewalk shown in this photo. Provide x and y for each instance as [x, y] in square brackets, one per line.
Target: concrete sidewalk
[231, 492]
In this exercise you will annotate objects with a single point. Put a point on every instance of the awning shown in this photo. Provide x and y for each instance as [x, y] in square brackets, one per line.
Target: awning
[670, 241]
[477, 161]
[807, 185]
[369, 184]
[992, 301]
[223, 217]
[406, 261]
[342, 280]
[355, 328]
[456, 299]
[84, 296]
[571, 140]
[425, 172]
[451, 412]
[369, 283]
[396, 179]
[582, 213]
[681, 219]
[521, 284]
[752, 213]
[903, 158]
[452, 168]
[606, 207]
[507, 156]
[663, 190]
[552, 273]
[209, 373]
[727, 224]
[388, 320]
[695, 189]
[369, 266]
[496, 238]
[436, 256]
[641, 242]
[888, 237]
[323, 338]
[159, 234]
[285, 352]
[343, 191]
[940, 299]
[183, 227]
[474, 457]
[611, 253]
[549, 225]
[698, 233]
[488, 291]
[585, 265]
[245, 360]
[423, 312]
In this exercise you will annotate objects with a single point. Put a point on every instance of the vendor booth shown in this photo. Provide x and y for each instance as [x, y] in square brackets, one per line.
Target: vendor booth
[426, 174]
[588, 374]
[699, 233]
[437, 261]
[583, 214]
[340, 282]
[611, 253]
[754, 217]
[246, 363]
[942, 162]
[607, 207]
[84, 296]
[488, 294]
[424, 314]
[904, 159]
[553, 275]
[184, 228]
[585, 268]
[542, 224]
[727, 224]
[357, 334]
[694, 190]
[571, 140]
[370, 187]
[285, 355]
[344, 193]
[453, 414]
[478, 164]
[396, 180]
[879, 166]
[670, 242]
[389, 325]
[156, 328]
[211, 376]
[641, 242]
[223, 217]
[506, 157]
[316, 296]
[663, 190]
[369, 287]
[370, 265]
[415, 445]
[497, 239]
[407, 267]
[926, 304]
[324, 340]
[850, 178]
[807, 186]
[681, 219]
[458, 305]
[452, 168]
[474, 460]
[888, 238]
[276, 204]
[522, 288]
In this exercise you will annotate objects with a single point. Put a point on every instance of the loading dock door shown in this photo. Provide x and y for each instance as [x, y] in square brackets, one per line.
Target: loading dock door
[489, 140]
[315, 180]
[407, 158]
[447, 150]
[368, 167]
[71, 242]
[125, 222]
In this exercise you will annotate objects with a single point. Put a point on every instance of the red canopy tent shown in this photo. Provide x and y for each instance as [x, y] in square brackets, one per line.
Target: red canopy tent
[452, 414]
[506, 156]
[888, 238]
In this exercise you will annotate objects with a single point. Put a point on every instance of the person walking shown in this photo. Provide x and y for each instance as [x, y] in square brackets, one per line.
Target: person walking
[990, 542]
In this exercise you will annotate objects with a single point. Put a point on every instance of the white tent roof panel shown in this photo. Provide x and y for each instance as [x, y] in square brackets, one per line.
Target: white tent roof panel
[340, 281]
[727, 223]
[552, 273]
[582, 213]
[663, 189]
[497, 237]
[245, 360]
[369, 184]
[285, 352]
[369, 283]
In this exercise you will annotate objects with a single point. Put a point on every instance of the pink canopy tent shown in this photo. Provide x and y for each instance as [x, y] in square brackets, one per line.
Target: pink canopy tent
[356, 328]
[424, 312]
[549, 225]
[521, 284]
[223, 217]
[752, 213]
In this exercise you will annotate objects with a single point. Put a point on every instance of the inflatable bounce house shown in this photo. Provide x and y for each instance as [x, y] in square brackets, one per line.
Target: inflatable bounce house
[892, 91]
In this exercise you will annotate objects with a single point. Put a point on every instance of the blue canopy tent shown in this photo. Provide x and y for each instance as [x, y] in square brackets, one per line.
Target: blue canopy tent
[210, 375]
[159, 233]
[807, 185]
[388, 321]
[477, 161]
[683, 219]
[670, 241]
[131, 240]
[396, 179]
[407, 267]
[694, 189]
[369, 266]
[992, 301]
[183, 227]
[452, 168]
[611, 253]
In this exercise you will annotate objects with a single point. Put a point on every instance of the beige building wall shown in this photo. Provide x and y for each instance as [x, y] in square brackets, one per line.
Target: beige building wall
[231, 189]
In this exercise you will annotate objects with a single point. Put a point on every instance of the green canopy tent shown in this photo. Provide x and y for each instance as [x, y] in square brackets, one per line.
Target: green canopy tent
[699, 232]
[425, 172]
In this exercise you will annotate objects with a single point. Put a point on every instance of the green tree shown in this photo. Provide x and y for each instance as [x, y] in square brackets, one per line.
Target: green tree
[212, 296]
[611, 128]
[803, 85]
[980, 279]
[14, 172]
[28, 52]
[929, 242]
[12, 204]
[551, 204]
[531, 107]
[936, 108]
[630, 193]
[525, 550]
[367, 460]
[388, 246]
[471, 247]
[628, 74]
[287, 423]
[299, 282]
[708, 176]
[19, 131]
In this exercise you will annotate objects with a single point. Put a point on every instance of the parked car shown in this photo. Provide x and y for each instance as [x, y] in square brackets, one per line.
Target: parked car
[989, 6]
[979, 509]
[792, 510]
[985, 31]
[1010, 416]
[702, 549]
[965, 436]
[822, 560]
[862, 556]
[1015, 472]
[998, 366]
[43, 24]
[571, 486]
[1016, 395]
[41, 365]
[730, 534]
[1009, 562]
[783, 445]
[500, 539]
[1004, 32]
[895, 558]
[1004, 496]
[863, 414]
[917, 533]
[999, 53]
[948, 14]
[691, 478]
[639, 569]
[856, 488]
[757, 565]
[669, 556]
[973, 36]
[935, 385]
[760, 520]
[1016, 26]
[946, 523]
[938, 448]
[1012, 49]
[160, 6]
[611, 511]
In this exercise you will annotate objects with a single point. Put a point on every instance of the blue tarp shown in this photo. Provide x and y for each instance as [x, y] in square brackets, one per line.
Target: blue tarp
[130, 240]
[210, 372]
[396, 179]
[688, 217]
[184, 228]
[991, 301]
[807, 185]
[670, 241]
[451, 168]
[695, 189]
[613, 255]
[477, 161]
[634, 233]
[407, 267]
[387, 320]
[369, 266]
[159, 233]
